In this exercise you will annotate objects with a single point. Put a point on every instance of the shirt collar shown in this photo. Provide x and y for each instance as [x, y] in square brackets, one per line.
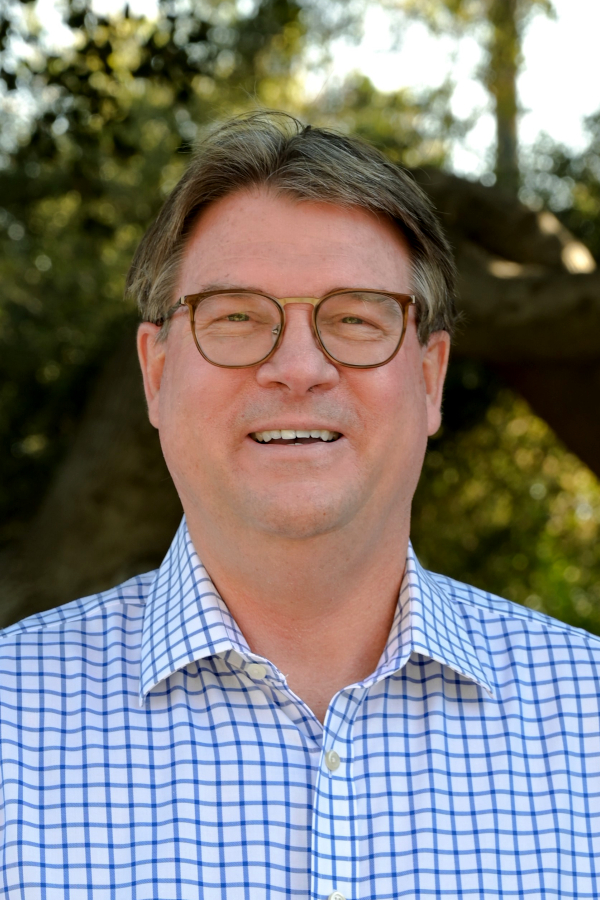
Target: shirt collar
[429, 621]
[186, 620]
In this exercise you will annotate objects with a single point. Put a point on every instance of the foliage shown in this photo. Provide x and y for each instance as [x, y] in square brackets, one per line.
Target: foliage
[505, 505]
[412, 129]
[569, 184]
[498, 26]
[104, 137]
[115, 116]
[114, 121]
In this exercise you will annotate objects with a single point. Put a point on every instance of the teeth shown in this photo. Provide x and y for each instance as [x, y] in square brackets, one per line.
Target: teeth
[290, 434]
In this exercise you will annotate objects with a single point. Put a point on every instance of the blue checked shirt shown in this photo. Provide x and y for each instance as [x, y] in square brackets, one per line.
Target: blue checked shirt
[146, 753]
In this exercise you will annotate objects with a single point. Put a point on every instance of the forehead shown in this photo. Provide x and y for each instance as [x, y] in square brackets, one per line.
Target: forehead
[257, 238]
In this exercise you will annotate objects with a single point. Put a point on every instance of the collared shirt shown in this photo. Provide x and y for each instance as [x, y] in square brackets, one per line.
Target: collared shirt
[147, 753]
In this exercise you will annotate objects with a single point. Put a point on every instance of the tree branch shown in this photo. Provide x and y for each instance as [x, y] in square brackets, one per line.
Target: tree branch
[527, 289]
[112, 508]
[552, 316]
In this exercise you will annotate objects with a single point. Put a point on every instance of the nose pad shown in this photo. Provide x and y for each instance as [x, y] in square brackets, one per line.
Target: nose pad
[299, 361]
[294, 321]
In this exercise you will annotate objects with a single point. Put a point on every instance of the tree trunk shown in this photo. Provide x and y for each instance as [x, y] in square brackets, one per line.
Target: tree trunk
[567, 397]
[504, 51]
[112, 509]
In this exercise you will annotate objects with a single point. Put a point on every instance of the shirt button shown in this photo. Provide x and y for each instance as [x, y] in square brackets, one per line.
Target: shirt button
[335, 895]
[256, 670]
[332, 761]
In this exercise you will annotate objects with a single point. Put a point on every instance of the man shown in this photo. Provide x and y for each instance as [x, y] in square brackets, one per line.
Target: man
[291, 706]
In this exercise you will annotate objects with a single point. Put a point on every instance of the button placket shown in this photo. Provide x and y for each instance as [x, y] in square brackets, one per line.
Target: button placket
[334, 840]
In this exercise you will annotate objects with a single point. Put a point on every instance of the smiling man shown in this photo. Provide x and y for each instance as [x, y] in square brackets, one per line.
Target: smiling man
[299, 532]
[291, 706]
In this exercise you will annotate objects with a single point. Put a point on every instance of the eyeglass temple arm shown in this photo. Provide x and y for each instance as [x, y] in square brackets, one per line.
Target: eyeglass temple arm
[170, 312]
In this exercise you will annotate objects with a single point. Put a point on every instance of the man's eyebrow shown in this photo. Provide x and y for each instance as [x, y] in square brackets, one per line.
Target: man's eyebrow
[226, 286]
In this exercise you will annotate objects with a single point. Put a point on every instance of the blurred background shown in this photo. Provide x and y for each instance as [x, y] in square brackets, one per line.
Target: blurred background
[495, 107]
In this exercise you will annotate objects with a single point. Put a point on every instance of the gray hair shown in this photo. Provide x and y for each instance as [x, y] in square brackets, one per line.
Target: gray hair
[276, 150]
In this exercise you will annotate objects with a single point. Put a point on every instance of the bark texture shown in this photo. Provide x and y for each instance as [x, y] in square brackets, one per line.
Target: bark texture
[530, 300]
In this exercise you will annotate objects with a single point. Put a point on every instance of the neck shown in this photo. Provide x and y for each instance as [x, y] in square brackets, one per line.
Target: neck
[320, 609]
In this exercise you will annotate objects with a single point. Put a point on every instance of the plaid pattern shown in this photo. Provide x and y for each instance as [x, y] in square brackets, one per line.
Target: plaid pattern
[143, 757]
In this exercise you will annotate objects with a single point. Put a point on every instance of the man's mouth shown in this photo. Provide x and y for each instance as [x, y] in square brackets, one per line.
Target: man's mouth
[295, 436]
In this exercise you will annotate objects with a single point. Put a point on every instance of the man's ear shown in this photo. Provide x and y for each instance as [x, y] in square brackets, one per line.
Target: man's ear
[151, 354]
[435, 364]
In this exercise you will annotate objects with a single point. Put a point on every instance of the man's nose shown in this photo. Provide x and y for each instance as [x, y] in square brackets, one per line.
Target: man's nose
[299, 362]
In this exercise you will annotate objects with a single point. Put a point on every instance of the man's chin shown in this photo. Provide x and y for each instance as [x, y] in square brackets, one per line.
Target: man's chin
[300, 518]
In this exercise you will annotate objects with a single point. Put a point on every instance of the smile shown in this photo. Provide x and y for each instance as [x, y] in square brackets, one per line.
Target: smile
[294, 436]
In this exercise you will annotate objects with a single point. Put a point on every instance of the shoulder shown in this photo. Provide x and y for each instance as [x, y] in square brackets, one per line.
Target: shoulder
[523, 644]
[77, 657]
[485, 606]
[94, 614]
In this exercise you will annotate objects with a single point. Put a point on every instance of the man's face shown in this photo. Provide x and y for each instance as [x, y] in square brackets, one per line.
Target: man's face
[207, 416]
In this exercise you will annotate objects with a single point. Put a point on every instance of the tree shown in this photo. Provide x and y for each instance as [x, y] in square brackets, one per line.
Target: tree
[120, 114]
[116, 112]
[500, 80]
[500, 25]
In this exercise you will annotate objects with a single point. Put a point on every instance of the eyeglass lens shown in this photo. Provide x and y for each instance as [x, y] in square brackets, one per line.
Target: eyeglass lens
[357, 328]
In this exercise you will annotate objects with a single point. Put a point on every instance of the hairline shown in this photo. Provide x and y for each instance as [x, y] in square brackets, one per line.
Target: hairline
[272, 150]
[287, 193]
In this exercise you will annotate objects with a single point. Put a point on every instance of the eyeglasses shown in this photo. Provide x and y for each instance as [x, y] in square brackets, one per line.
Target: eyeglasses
[240, 328]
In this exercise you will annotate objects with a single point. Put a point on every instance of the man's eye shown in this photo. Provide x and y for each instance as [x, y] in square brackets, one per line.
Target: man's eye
[238, 317]
[352, 320]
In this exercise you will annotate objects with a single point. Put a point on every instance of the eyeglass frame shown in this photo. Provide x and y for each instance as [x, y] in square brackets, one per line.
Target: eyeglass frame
[192, 301]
